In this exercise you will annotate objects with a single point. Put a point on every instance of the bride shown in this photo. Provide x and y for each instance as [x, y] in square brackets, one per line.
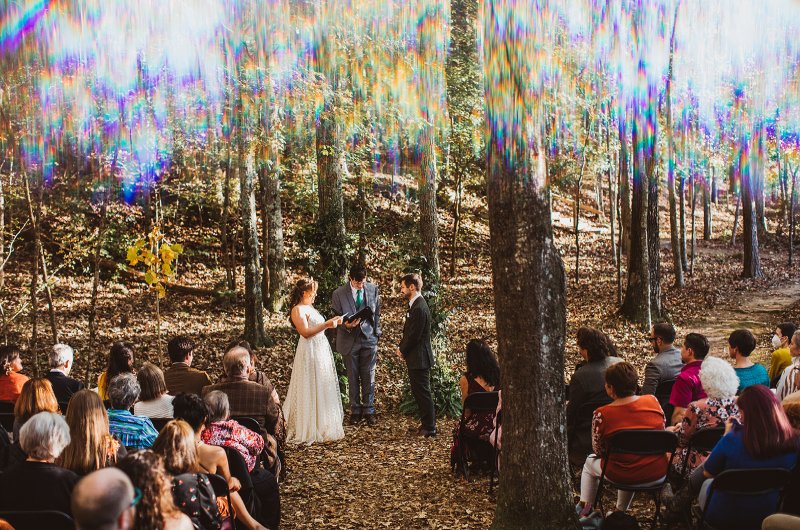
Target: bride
[313, 405]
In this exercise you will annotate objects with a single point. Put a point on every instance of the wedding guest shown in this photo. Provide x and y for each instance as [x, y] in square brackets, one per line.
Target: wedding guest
[588, 386]
[120, 361]
[135, 432]
[626, 411]
[720, 383]
[741, 344]
[60, 361]
[789, 381]
[765, 438]
[222, 431]
[91, 445]
[156, 509]
[37, 483]
[781, 357]
[104, 499]
[36, 396]
[180, 376]
[482, 375]
[11, 380]
[666, 365]
[687, 387]
[154, 402]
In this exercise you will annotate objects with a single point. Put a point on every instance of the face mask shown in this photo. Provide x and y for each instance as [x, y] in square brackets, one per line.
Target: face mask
[776, 341]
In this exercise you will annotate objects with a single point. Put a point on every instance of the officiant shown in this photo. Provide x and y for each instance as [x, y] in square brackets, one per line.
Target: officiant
[357, 340]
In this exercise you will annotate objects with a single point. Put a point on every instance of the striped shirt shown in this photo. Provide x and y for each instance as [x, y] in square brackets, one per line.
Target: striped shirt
[789, 381]
[132, 431]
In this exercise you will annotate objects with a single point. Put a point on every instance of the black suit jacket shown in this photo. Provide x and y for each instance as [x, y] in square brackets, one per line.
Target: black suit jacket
[416, 343]
[63, 386]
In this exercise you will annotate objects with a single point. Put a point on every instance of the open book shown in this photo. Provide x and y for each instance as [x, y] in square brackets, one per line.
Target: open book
[363, 313]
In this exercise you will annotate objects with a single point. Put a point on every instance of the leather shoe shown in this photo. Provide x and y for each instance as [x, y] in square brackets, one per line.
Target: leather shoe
[426, 433]
[355, 419]
[372, 421]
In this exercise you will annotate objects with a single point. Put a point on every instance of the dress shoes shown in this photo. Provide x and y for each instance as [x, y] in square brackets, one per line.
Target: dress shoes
[371, 420]
[426, 433]
[355, 419]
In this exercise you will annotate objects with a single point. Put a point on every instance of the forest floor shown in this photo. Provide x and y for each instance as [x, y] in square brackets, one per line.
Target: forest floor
[385, 477]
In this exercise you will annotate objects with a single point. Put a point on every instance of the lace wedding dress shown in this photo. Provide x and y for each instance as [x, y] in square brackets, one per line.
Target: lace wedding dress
[313, 405]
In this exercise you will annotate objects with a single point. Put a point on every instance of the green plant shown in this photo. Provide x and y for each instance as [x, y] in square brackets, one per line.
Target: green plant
[444, 390]
[341, 374]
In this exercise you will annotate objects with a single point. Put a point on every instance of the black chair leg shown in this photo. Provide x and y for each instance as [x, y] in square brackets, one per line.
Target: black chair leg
[657, 498]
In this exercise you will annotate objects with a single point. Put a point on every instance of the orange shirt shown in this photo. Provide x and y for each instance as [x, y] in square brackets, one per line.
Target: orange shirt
[11, 386]
[643, 413]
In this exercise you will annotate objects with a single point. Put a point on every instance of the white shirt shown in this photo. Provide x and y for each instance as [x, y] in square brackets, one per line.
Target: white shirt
[160, 407]
[413, 299]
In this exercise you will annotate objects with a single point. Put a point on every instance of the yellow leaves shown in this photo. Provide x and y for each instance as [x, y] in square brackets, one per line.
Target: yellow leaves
[158, 256]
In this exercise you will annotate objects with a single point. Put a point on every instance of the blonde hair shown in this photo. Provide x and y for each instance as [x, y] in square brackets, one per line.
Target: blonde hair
[92, 446]
[176, 444]
[36, 396]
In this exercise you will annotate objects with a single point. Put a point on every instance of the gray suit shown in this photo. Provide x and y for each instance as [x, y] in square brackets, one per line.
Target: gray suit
[664, 367]
[359, 346]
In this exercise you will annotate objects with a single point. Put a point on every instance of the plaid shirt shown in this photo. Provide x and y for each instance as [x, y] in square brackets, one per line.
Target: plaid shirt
[132, 431]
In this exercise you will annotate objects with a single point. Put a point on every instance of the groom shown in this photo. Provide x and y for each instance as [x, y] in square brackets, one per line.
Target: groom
[357, 341]
[415, 348]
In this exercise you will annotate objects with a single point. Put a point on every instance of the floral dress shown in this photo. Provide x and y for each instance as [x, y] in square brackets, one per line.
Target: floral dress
[478, 426]
[701, 414]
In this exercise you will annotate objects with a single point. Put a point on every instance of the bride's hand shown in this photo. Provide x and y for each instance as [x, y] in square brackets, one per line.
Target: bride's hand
[333, 322]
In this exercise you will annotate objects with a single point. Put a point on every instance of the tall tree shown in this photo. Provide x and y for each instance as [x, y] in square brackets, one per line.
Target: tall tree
[752, 262]
[528, 273]
[677, 268]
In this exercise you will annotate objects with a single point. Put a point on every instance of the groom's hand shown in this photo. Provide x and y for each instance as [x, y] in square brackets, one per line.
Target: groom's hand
[351, 325]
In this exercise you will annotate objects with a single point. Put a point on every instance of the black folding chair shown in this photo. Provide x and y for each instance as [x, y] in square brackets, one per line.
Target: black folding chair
[159, 423]
[475, 403]
[248, 423]
[62, 406]
[238, 469]
[7, 406]
[583, 421]
[663, 392]
[496, 467]
[49, 519]
[703, 440]
[220, 487]
[642, 442]
[7, 421]
[748, 482]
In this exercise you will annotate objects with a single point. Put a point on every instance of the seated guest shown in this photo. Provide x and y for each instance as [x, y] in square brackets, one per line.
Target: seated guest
[136, 432]
[11, 380]
[180, 376]
[789, 381]
[91, 447]
[60, 361]
[781, 521]
[36, 396]
[587, 386]
[687, 387]
[627, 411]
[224, 432]
[666, 365]
[765, 438]
[120, 361]
[741, 344]
[154, 402]
[156, 509]
[719, 382]
[483, 375]
[247, 398]
[781, 357]
[213, 459]
[104, 500]
[37, 483]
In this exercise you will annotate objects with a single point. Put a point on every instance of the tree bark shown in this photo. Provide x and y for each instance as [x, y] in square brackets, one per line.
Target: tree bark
[653, 241]
[791, 215]
[736, 217]
[577, 218]
[708, 221]
[275, 269]
[694, 204]
[33, 345]
[624, 187]
[677, 268]
[612, 199]
[456, 223]
[330, 220]
[758, 165]
[682, 219]
[752, 263]
[428, 220]
[228, 247]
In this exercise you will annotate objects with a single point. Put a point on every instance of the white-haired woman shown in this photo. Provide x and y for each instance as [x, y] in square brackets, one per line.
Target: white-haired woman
[720, 383]
[38, 483]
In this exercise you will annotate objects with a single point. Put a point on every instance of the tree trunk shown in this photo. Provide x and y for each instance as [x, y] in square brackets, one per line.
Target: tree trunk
[752, 263]
[694, 237]
[534, 487]
[682, 210]
[330, 221]
[275, 269]
[612, 202]
[624, 187]
[791, 215]
[428, 220]
[576, 219]
[636, 306]
[677, 267]
[456, 223]
[653, 242]
[708, 221]
[228, 247]
[598, 193]
[33, 346]
[3, 230]
[757, 176]
[736, 217]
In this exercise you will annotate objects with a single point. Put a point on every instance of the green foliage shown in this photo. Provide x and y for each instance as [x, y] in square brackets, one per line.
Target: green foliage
[341, 374]
[444, 389]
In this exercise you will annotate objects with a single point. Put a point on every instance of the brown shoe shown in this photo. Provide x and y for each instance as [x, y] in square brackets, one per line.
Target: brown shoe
[355, 419]
[372, 421]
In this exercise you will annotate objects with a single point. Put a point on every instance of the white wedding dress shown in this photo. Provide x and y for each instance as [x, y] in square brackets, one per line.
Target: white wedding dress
[313, 405]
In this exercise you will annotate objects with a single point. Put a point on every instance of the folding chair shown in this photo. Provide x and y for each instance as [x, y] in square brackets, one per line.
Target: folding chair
[49, 519]
[663, 392]
[238, 469]
[496, 466]
[642, 442]
[220, 487]
[748, 482]
[7, 406]
[159, 423]
[583, 421]
[703, 440]
[475, 403]
[7, 421]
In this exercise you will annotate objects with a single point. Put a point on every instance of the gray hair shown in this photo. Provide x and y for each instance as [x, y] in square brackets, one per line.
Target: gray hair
[123, 391]
[44, 436]
[718, 378]
[219, 407]
[99, 499]
[60, 354]
[236, 362]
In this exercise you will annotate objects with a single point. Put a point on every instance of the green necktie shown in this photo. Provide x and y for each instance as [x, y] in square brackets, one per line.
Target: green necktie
[359, 299]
